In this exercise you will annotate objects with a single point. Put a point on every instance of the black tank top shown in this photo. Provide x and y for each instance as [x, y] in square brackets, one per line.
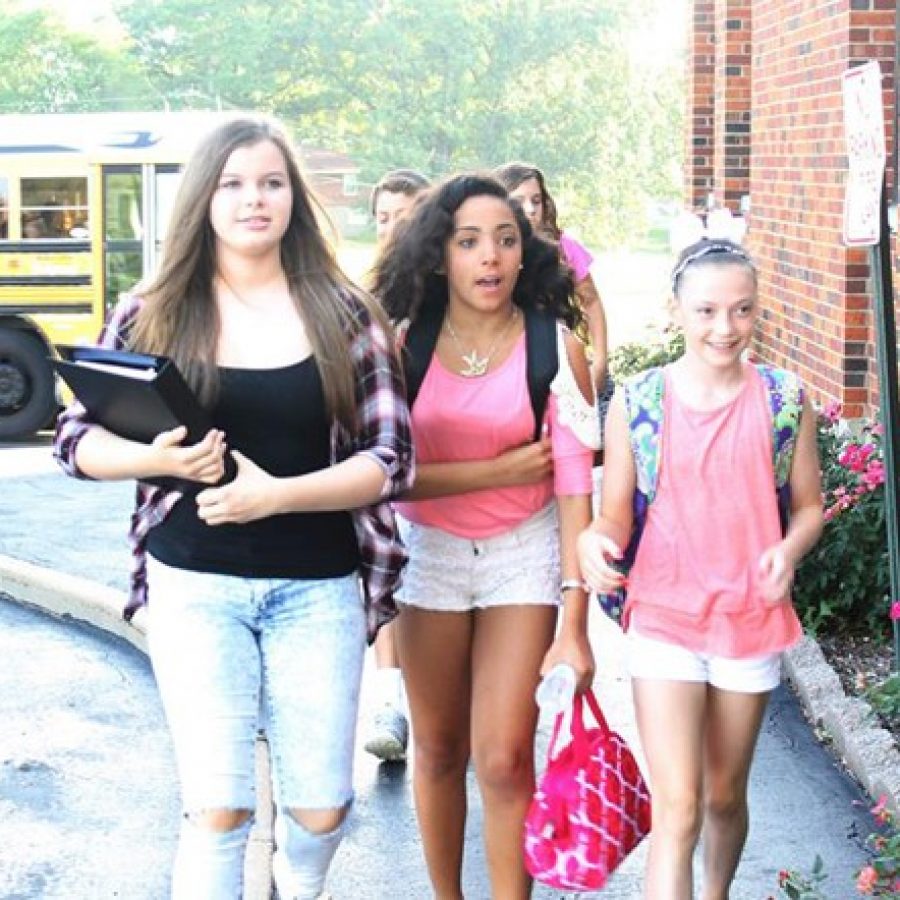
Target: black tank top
[277, 418]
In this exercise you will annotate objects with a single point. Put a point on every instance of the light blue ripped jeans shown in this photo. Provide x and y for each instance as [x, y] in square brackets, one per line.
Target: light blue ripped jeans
[224, 648]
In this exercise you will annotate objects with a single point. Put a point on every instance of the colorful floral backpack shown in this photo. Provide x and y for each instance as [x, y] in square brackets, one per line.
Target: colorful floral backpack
[643, 394]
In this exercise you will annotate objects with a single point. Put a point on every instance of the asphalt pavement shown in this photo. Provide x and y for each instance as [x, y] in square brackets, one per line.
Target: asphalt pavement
[88, 792]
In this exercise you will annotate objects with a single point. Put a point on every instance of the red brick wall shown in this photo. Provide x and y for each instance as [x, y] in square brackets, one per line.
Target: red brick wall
[814, 291]
[700, 86]
[731, 153]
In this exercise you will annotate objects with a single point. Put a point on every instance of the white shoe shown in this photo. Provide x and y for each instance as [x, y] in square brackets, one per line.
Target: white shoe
[388, 735]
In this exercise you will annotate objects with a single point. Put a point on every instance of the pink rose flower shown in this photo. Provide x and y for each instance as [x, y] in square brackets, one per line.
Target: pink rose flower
[866, 880]
[874, 474]
[880, 810]
[832, 411]
[856, 456]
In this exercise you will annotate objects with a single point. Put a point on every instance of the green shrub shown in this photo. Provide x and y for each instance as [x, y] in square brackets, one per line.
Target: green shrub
[844, 581]
[885, 697]
[628, 359]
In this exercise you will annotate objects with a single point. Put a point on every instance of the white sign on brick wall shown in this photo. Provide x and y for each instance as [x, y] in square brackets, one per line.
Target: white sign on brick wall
[866, 154]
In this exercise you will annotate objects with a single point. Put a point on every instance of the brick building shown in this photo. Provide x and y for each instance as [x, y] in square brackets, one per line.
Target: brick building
[765, 130]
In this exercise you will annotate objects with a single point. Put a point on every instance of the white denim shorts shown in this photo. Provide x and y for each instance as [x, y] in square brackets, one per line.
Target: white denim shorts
[649, 658]
[447, 573]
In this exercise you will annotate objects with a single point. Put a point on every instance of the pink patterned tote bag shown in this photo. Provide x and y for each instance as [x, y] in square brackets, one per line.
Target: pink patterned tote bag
[591, 807]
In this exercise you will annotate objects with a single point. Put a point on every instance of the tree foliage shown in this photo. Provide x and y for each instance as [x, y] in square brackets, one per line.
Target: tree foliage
[49, 69]
[436, 86]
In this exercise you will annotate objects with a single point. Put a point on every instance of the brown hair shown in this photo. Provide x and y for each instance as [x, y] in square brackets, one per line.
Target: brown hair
[512, 174]
[398, 181]
[711, 252]
[179, 317]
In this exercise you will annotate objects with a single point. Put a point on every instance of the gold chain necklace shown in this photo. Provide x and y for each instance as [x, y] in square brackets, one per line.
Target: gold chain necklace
[477, 365]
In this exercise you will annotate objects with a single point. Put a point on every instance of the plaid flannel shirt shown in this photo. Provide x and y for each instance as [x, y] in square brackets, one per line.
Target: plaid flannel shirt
[383, 434]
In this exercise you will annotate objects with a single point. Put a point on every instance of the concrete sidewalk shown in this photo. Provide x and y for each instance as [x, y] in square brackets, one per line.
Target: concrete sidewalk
[66, 554]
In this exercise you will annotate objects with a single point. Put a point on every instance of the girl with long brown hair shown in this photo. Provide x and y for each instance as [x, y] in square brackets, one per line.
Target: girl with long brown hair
[255, 596]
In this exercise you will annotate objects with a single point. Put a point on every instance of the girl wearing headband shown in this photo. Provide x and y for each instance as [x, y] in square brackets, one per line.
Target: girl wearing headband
[709, 593]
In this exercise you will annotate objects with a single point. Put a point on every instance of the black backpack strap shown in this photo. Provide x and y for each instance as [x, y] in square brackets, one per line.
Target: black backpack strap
[418, 347]
[543, 360]
[540, 346]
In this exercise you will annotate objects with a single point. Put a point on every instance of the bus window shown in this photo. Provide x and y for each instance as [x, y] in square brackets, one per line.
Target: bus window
[123, 206]
[54, 208]
[167, 179]
[123, 217]
[4, 209]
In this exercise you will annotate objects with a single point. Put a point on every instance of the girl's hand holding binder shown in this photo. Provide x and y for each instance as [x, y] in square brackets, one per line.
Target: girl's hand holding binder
[250, 496]
[203, 462]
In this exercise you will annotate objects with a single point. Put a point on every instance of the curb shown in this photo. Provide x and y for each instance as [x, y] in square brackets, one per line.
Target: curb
[70, 597]
[866, 749]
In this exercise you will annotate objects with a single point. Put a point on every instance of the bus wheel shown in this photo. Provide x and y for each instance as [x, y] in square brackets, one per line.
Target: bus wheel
[27, 395]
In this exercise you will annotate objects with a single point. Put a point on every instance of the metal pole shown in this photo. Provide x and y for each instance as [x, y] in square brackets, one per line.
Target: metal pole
[886, 345]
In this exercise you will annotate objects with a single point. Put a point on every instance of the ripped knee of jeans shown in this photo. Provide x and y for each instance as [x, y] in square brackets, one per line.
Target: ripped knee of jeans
[219, 820]
[320, 821]
[303, 855]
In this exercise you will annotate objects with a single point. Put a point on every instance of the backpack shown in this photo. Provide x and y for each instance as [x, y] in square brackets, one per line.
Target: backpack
[540, 347]
[643, 394]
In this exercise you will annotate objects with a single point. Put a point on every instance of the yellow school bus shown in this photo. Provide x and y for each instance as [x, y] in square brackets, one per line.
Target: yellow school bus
[84, 201]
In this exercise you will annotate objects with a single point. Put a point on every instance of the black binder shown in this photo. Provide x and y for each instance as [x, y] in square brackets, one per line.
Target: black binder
[136, 396]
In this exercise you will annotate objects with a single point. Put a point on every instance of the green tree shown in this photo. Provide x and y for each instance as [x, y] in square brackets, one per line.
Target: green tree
[49, 69]
[438, 86]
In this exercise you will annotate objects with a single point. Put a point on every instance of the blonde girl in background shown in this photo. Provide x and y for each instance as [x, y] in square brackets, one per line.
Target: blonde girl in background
[526, 183]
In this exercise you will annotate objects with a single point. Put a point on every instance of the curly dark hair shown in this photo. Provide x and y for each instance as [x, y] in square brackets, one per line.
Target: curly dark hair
[411, 273]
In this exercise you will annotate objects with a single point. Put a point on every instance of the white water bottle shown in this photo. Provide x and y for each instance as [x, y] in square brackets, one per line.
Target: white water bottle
[556, 689]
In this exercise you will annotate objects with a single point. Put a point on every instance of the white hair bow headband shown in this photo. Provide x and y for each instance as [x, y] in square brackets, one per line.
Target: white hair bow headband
[688, 228]
[722, 233]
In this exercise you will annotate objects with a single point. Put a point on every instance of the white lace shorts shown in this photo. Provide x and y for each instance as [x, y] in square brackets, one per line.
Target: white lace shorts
[453, 574]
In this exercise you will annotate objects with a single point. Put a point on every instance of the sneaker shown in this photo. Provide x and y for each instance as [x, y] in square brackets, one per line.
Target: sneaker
[388, 735]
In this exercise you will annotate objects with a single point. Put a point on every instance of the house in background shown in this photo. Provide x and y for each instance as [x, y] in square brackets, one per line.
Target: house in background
[335, 179]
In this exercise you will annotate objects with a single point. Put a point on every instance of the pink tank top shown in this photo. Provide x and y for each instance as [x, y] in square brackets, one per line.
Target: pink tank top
[694, 580]
[456, 418]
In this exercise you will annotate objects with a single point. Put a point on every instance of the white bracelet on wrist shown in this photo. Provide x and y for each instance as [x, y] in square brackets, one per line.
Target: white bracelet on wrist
[572, 584]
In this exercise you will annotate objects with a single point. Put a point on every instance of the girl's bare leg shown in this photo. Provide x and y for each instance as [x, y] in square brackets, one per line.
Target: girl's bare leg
[670, 719]
[508, 646]
[435, 653]
[732, 727]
